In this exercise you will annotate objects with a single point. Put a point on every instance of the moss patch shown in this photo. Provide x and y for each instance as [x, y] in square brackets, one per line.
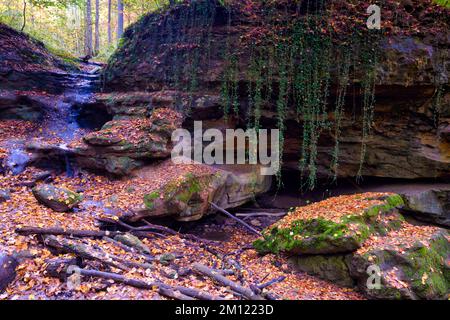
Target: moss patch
[321, 236]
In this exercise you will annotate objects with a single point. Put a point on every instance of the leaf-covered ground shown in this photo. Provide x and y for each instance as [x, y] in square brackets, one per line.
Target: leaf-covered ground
[104, 197]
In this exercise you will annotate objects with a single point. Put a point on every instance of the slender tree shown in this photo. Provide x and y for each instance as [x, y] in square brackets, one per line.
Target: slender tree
[119, 19]
[24, 14]
[88, 29]
[97, 27]
[109, 22]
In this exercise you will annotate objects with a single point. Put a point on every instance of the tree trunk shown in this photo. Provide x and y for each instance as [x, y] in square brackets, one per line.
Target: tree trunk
[109, 23]
[24, 14]
[97, 27]
[88, 29]
[119, 19]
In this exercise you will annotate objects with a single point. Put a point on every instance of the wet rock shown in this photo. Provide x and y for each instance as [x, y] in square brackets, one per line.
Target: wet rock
[324, 236]
[5, 195]
[8, 265]
[17, 161]
[430, 205]
[20, 107]
[58, 199]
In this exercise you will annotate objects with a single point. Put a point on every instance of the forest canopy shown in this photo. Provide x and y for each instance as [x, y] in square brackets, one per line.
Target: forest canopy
[61, 24]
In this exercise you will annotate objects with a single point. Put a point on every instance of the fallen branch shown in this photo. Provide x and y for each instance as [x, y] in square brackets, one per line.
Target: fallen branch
[140, 231]
[126, 248]
[256, 210]
[271, 282]
[83, 251]
[174, 292]
[27, 231]
[246, 292]
[261, 214]
[236, 219]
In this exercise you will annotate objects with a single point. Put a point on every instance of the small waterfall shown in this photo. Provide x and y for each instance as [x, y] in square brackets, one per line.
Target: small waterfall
[17, 161]
[69, 169]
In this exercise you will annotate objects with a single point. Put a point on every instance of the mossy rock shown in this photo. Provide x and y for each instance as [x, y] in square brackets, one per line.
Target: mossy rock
[328, 267]
[58, 199]
[322, 236]
[185, 199]
[102, 138]
[418, 271]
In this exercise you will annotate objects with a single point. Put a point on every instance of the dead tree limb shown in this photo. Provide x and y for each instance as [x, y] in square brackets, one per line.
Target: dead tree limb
[260, 214]
[246, 292]
[126, 248]
[83, 251]
[249, 227]
[271, 282]
[177, 292]
[26, 231]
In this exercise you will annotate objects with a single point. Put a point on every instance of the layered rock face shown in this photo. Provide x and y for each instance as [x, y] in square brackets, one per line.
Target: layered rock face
[187, 49]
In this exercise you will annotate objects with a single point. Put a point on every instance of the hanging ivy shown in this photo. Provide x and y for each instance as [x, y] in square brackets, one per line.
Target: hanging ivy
[343, 81]
[369, 62]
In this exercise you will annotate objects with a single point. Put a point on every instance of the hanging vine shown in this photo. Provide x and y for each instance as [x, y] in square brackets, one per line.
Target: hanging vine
[369, 61]
[343, 79]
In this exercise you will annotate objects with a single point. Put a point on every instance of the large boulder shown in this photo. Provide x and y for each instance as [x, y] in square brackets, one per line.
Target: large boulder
[331, 226]
[412, 263]
[429, 205]
[56, 198]
[394, 260]
[333, 268]
[409, 263]
[188, 197]
[20, 107]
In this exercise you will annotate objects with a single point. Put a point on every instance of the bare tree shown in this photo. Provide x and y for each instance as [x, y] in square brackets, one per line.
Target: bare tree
[24, 14]
[109, 22]
[97, 28]
[88, 29]
[119, 19]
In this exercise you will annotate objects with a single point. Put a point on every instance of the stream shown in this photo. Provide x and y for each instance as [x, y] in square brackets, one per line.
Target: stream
[59, 123]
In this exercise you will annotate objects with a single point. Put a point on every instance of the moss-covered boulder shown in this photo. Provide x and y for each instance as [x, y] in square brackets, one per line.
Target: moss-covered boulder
[333, 268]
[412, 263]
[56, 198]
[336, 225]
[188, 197]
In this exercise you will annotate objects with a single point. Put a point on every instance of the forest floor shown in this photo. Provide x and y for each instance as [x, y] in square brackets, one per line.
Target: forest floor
[33, 282]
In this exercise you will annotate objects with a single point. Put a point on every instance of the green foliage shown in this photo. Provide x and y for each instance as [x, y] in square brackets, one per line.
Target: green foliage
[445, 3]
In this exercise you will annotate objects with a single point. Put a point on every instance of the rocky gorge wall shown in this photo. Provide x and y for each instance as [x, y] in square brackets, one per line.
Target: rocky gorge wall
[202, 51]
